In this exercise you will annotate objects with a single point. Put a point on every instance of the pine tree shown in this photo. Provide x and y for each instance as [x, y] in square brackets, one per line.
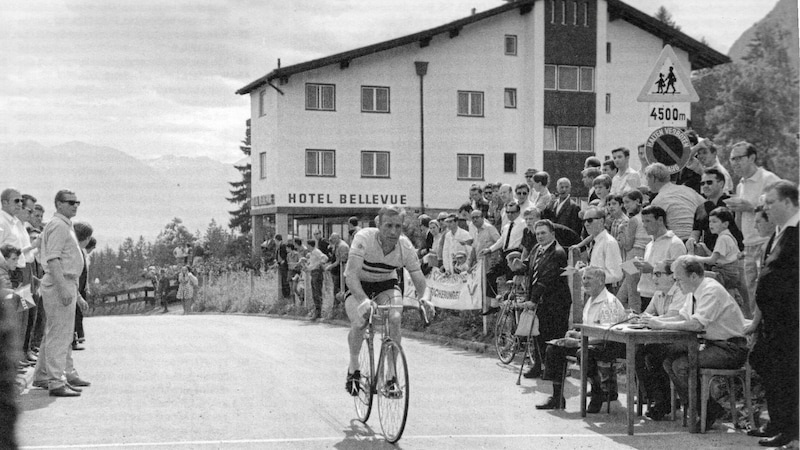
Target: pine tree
[665, 17]
[240, 194]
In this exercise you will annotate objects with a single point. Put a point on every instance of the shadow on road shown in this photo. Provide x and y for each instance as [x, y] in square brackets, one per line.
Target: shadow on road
[362, 436]
[35, 399]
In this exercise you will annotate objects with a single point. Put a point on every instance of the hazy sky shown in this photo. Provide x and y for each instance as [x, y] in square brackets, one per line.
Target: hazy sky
[155, 77]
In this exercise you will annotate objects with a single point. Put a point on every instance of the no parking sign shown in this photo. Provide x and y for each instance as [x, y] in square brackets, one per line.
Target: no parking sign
[669, 146]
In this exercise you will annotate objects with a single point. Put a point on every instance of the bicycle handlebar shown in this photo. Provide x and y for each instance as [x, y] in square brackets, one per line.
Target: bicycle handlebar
[423, 313]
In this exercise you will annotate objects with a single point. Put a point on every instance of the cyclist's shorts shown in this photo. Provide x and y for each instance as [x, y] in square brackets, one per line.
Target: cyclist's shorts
[374, 288]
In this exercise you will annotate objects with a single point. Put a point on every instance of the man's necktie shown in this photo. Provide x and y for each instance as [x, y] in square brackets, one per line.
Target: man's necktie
[508, 235]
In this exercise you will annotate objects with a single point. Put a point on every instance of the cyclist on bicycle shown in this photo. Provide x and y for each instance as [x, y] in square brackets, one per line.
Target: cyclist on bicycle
[371, 275]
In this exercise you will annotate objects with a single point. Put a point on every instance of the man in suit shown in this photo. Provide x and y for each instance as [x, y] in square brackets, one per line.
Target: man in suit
[775, 355]
[546, 288]
[562, 210]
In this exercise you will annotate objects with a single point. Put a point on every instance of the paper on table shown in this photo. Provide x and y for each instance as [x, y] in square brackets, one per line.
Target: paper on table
[629, 267]
[565, 342]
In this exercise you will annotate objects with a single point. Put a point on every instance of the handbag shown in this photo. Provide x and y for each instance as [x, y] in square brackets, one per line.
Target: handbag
[528, 324]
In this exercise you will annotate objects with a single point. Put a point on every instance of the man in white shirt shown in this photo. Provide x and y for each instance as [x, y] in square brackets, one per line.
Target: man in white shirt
[510, 240]
[711, 310]
[664, 246]
[752, 184]
[601, 307]
[627, 178]
[604, 250]
[315, 267]
[456, 239]
[680, 202]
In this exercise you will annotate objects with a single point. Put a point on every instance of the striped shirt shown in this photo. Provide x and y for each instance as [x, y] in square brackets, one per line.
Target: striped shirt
[377, 266]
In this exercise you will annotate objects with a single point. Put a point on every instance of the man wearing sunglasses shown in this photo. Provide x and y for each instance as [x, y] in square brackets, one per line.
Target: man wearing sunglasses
[604, 250]
[712, 187]
[62, 258]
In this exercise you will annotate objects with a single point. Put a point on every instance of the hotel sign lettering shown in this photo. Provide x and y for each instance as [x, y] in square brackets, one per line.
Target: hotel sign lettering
[346, 199]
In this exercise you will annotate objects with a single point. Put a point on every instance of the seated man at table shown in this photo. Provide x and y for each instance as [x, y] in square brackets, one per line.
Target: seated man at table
[666, 302]
[601, 307]
[709, 309]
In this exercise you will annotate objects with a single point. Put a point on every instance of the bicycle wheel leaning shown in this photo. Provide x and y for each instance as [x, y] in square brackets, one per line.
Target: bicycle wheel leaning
[392, 390]
[366, 362]
[505, 342]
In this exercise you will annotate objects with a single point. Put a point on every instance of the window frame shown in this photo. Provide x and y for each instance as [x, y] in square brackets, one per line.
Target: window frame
[320, 97]
[261, 99]
[320, 162]
[577, 78]
[552, 130]
[554, 87]
[470, 156]
[581, 70]
[374, 154]
[556, 130]
[375, 99]
[513, 92]
[470, 103]
[262, 166]
[559, 140]
[580, 139]
[513, 158]
[510, 38]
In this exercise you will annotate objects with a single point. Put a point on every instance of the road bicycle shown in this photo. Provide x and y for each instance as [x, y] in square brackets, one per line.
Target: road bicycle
[389, 381]
[506, 342]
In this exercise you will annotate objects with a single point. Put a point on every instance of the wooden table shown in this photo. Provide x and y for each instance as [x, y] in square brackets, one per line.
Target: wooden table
[632, 337]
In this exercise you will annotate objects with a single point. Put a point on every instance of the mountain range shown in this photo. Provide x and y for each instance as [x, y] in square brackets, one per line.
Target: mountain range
[121, 196]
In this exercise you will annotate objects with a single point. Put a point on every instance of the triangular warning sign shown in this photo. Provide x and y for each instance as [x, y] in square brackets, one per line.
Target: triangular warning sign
[668, 82]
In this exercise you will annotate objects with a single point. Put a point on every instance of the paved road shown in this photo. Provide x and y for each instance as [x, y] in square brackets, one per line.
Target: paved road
[214, 381]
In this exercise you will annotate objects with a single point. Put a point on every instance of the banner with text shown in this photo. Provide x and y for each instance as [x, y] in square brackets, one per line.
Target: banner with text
[462, 291]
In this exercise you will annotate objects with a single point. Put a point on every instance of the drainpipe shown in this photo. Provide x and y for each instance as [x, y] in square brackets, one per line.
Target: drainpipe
[422, 70]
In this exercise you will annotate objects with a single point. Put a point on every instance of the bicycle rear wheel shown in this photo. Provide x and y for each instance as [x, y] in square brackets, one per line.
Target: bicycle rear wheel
[392, 390]
[505, 342]
[366, 362]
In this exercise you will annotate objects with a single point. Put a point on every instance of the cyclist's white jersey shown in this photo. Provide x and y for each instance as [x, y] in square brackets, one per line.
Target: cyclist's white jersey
[377, 266]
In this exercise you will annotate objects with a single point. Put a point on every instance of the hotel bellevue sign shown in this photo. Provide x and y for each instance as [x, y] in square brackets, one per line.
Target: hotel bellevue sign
[332, 199]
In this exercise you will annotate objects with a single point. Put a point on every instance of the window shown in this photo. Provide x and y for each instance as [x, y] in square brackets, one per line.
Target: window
[608, 52]
[262, 165]
[552, 11]
[569, 138]
[510, 98]
[587, 139]
[549, 138]
[261, 102]
[511, 45]
[587, 79]
[575, 13]
[509, 162]
[470, 103]
[374, 164]
[321, 97]
[608, 103]
[568, 78]
[320, 163]
[586, 14]
[374, 99]
[563, 12]
[470, 167]
[549, 77]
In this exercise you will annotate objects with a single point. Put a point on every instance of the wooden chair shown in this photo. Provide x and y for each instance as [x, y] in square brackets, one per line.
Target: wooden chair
[744, 374]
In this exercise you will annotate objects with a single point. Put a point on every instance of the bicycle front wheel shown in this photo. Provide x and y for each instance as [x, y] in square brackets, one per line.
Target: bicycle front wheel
[505, 342]
[392, 390]
[366, 363]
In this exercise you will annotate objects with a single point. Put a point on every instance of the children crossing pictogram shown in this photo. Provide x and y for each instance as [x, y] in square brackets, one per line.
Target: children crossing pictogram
[668, 81]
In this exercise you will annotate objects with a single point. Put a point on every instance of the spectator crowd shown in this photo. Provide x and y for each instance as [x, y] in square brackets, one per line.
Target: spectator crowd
[674, 249]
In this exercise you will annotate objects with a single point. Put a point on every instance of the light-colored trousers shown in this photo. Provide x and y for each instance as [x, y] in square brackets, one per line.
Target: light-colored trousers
[55, 353]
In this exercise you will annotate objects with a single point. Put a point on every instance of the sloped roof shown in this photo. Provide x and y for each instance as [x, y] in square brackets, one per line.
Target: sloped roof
[700, 55]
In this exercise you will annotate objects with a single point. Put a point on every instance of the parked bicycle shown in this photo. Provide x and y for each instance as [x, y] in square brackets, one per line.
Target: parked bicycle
[388, 381]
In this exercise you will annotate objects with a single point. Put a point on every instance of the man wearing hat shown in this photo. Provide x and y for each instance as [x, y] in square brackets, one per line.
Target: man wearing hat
[455, 239]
